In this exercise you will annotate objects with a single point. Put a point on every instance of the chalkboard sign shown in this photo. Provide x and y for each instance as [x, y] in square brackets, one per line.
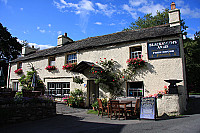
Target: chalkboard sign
[148, 108]
[163, 49]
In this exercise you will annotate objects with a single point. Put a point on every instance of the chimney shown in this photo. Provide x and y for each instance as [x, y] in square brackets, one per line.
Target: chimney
[174, 15]
[27, 50]
[63, 39]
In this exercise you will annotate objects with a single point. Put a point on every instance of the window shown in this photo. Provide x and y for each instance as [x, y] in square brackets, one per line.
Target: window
[15, 86]
[52, 61]
[71, 58]
[19, 65]
[58, 88]
[136, 52]
[135, 89]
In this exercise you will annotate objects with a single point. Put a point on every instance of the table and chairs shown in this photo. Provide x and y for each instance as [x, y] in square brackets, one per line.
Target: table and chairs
[119, 108]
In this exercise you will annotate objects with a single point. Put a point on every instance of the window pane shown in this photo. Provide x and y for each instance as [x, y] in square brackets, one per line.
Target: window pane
[72, 58]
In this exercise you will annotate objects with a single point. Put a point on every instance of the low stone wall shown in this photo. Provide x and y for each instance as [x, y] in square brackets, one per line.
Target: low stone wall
[12, 113]
[171, 104]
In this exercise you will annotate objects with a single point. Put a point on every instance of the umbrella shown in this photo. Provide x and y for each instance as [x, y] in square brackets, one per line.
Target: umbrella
[34, 81]
[2, 83]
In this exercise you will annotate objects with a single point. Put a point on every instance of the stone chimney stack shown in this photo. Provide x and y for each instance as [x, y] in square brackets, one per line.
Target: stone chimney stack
[27, 50]
[63, 39]
[174, 15]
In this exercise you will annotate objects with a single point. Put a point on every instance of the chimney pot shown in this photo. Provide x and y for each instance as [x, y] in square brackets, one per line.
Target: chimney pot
[32, 46]
[173, 6]
[66, 34]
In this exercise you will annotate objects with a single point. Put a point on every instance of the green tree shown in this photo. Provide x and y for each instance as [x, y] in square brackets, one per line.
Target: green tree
[150, 21]
[9, 49]
[192, 54]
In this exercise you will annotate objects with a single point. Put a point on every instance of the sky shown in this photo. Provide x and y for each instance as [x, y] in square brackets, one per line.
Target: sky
[41, 21]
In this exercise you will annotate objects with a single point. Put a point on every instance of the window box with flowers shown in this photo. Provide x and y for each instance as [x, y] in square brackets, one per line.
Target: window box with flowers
[18, 71]
[135, 63]
[69, 66]
[49, 68]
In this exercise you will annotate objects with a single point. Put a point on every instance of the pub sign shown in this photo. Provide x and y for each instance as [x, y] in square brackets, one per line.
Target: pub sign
[163, 49]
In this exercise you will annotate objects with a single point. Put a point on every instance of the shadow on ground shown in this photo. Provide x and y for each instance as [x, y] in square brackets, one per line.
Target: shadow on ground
[193, 106]
[61, 124]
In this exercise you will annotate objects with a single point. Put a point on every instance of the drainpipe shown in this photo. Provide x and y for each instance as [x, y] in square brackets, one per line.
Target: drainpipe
[8, 79]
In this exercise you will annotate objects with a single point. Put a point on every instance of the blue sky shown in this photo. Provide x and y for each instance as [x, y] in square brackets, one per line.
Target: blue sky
[41, 21]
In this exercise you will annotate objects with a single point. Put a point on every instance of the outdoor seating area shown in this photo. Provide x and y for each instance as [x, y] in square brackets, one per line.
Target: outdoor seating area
[119, 108]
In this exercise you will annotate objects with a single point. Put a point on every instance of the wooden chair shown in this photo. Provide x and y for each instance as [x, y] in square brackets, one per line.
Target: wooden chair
[115, 108]
[101, 108]
[137, 108]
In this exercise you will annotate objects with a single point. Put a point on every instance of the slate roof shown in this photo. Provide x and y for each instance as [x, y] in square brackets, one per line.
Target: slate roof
[98, 41]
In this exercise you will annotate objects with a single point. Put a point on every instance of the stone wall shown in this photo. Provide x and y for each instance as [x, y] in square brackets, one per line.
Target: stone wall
[171, 104]
[12, 113]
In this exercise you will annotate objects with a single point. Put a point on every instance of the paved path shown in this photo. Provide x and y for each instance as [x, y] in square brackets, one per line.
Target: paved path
[70, 120]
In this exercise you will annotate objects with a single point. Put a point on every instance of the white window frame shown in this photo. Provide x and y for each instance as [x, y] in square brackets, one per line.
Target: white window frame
[73, 59]
[57, 89]
[135, 53]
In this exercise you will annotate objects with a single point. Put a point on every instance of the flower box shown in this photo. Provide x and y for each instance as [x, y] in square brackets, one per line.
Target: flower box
[135, 63]
[18, 71]
[49, 68]
[69, 66]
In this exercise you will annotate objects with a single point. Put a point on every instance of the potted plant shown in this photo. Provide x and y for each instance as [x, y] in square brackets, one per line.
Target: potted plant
[95, 105]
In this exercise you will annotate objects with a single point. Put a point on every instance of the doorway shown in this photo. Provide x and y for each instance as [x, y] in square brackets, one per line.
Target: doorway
[92, 92]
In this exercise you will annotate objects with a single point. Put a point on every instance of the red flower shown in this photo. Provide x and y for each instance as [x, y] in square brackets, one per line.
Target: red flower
[104, 58]
[111, 59]
[123, 77]
[92, 65]
[96, 62]
[92, 72]
[95, 71]
[101, 71]
[113, 80]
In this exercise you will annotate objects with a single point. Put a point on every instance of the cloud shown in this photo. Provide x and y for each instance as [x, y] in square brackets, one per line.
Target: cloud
[98, 23]
[130, 11]
[59, 32]
[21, 9]
[40, 46]
[142, 6]
[42, 31]
[112, 24]
[186, 11]
[151, 8]
[137, 2]
[105, 9]
[38, 27]
[37, 45]
[49, 25]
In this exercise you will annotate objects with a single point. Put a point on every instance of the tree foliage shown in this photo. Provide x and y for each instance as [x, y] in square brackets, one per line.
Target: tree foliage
[192, 54]
[9, 47]
[149, 21]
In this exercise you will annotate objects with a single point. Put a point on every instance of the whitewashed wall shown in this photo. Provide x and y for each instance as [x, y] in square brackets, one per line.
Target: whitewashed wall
[153, 76]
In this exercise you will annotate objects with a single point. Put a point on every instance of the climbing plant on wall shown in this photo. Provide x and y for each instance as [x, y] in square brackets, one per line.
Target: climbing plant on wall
[111, 77]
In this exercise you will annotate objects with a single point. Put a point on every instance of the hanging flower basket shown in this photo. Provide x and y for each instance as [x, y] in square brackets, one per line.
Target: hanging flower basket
[49, 68]
[18, 71]
[69, 66]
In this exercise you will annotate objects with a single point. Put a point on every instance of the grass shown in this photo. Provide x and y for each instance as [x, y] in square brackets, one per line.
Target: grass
[194, 93]
[92, 112]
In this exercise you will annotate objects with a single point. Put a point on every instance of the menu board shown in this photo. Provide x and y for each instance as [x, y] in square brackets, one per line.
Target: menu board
[163, 49]
[148, 108]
